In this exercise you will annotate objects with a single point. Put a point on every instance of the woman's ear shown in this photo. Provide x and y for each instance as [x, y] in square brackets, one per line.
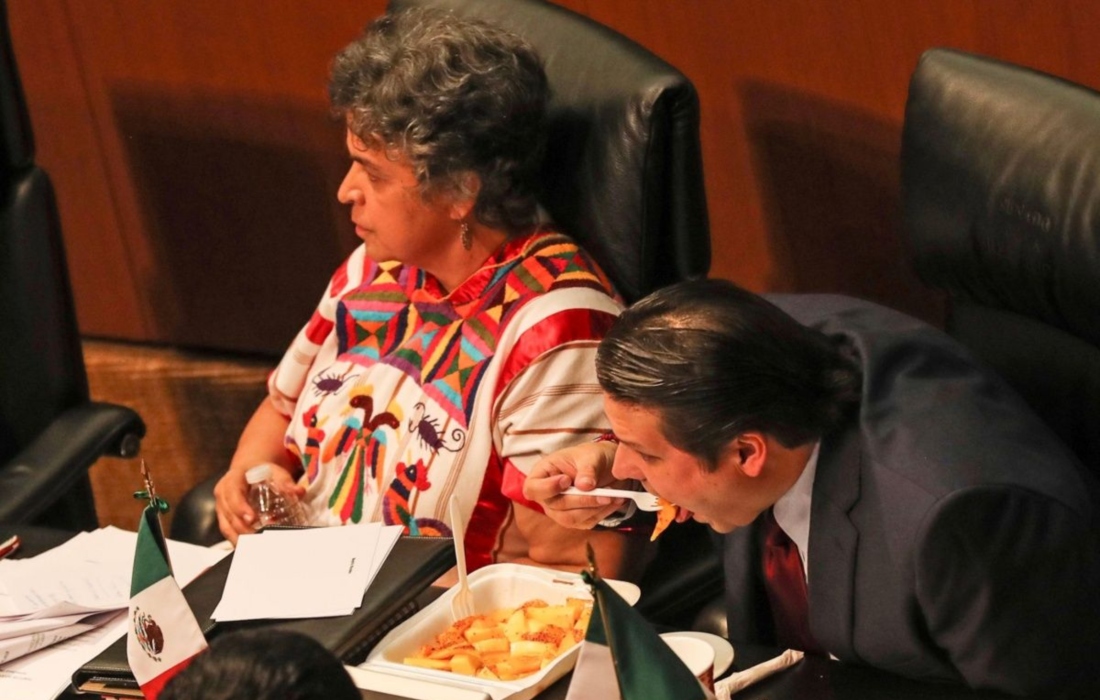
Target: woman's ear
[747, 453]
[465, 195]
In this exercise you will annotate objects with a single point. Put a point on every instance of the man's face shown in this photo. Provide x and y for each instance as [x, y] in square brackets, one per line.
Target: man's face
[725, 499]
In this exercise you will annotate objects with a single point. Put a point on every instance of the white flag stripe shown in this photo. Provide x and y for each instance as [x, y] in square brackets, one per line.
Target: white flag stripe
[594, 676]
[162, 607]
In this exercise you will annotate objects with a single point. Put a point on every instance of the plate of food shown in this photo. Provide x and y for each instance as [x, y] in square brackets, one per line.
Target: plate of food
[524, 635]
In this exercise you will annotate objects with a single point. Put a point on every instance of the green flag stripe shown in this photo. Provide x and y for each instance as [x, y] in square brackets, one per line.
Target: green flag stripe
[150, 564]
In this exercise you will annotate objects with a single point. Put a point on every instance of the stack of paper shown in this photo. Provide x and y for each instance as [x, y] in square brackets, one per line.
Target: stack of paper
[318, 572]
[57, 595]
[75, 594]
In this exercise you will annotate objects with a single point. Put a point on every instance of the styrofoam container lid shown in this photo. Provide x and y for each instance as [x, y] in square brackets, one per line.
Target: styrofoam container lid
[493, 587]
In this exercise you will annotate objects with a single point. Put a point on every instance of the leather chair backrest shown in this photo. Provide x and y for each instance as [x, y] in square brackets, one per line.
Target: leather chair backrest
[16, 140]
[1001, 206]
[623, 174]
[41, 363]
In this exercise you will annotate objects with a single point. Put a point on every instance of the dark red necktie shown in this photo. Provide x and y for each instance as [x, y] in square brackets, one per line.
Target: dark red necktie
[786, 586]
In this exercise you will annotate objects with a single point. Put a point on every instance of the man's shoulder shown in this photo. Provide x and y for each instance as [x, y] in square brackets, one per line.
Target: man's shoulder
[931, 414]
[836, 312]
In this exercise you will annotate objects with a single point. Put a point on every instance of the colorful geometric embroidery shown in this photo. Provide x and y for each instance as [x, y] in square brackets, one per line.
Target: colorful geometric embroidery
[427, 432]
[446, 347]
[395, 503]
[364, 442]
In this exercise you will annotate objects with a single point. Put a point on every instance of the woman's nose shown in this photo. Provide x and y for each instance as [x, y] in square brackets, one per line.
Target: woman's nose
[347, 193]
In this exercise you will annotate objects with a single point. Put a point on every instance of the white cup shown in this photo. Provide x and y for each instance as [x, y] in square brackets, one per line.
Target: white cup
[697, 655]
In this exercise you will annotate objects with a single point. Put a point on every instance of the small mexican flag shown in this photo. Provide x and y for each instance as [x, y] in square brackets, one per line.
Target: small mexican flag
[163, 634]
[622, 656]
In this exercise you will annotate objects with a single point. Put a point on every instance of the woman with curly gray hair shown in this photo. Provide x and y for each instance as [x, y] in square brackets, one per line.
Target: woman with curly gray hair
[455, 347]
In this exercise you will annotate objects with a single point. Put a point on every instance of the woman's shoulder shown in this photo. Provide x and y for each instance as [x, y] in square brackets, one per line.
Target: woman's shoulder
[559, 261]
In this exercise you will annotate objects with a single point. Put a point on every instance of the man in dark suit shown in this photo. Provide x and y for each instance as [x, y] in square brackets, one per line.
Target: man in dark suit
[944, 533]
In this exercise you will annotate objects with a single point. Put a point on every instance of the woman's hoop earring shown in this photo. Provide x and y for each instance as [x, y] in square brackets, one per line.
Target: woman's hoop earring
[467, 239]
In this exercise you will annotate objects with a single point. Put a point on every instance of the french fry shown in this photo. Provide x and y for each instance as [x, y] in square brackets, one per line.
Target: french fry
[527, 648]
[423, 662]
[466, 664]
[549, 634]
[476, 634]
[557, 615]
[523, 665]
[492, 658]
[492, 644]
[516, 625]
[568, 641]
[665, 517]
[487, 673]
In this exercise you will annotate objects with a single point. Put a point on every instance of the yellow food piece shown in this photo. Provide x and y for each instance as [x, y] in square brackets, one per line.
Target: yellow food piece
[466, 664]
[507, 643]
[665, 517]
[490, 645]
[424, 662]
[477, 634]
[557, 615]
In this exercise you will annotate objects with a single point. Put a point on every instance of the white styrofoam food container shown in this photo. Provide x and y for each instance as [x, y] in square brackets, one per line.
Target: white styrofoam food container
[494, 586]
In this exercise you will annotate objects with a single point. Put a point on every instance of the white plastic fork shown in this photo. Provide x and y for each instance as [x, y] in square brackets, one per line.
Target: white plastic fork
[462, 604]
[644, 499]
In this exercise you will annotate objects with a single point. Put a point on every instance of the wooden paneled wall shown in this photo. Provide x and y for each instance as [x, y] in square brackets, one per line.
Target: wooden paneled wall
[196, 164]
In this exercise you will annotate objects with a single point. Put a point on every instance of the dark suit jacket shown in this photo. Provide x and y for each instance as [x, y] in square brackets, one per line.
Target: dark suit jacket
[952, 536]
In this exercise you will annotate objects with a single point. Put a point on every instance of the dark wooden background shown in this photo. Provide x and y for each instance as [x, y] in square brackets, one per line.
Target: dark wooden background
[196, 163]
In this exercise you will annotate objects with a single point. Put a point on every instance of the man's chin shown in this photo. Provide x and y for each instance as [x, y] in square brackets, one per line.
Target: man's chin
[720, 528]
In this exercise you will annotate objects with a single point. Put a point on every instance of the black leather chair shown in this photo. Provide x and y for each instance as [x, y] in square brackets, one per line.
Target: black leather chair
[623, 176]
[50, 431]
[1001, 207]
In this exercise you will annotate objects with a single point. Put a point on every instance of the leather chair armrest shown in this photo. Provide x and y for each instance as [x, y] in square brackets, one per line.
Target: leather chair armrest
[61, 456]
[195, 520]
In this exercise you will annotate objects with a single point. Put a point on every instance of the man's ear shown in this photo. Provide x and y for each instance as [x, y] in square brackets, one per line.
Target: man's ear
[747, 453]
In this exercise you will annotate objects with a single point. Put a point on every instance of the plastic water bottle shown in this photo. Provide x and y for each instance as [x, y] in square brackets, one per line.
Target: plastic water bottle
[272, 506]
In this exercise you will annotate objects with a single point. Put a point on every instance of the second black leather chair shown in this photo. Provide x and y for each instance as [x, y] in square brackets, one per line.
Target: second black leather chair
[1001, 204]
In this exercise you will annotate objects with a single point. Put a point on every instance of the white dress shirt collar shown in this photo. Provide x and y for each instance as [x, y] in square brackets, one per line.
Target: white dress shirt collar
[792, 510]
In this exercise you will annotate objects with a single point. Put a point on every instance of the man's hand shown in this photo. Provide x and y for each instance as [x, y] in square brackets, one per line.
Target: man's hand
[585, 466]
[235, 515]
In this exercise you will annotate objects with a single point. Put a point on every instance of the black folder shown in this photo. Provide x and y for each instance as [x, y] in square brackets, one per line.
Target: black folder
[412, 565]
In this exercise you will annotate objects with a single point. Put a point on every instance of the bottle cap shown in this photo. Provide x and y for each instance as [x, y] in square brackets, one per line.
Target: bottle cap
[258, 473]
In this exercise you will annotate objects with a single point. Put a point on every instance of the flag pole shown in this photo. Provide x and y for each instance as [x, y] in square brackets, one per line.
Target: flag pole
[154, 508]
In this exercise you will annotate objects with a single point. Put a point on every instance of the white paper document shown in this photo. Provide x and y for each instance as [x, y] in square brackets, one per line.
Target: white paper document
[15, 646]
[317, 572]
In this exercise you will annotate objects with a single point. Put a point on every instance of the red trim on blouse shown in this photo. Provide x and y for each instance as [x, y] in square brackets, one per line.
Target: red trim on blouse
[488, 517]
[318, 328]
[557, 329]
[563, 327]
